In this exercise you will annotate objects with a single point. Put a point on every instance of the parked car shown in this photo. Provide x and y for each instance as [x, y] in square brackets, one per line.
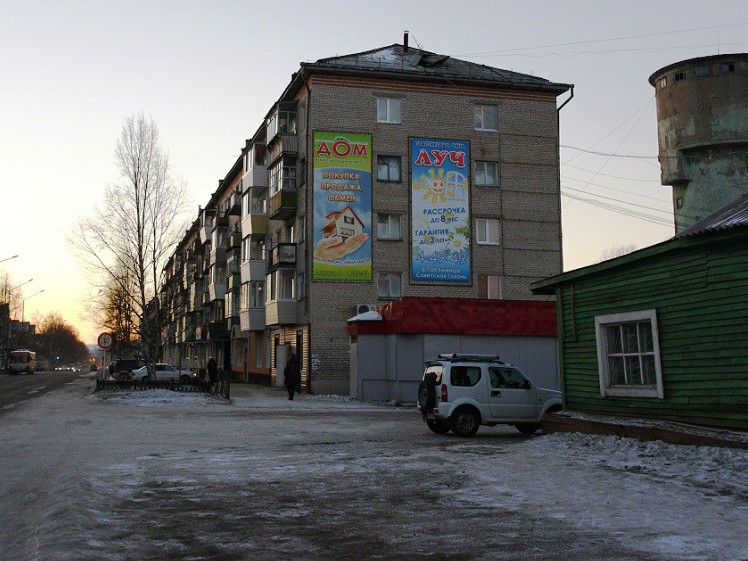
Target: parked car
[122, 368]
[40, 366]
[460, 392]
[163, 372]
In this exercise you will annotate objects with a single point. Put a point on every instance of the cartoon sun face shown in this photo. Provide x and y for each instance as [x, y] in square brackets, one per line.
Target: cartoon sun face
[433, 184]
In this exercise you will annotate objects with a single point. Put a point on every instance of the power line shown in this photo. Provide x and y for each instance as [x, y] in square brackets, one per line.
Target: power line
[619, 209]
[623, 38]
[636, 157]
[652, 181]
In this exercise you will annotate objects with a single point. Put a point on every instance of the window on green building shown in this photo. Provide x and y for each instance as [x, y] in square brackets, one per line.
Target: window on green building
[628, 354]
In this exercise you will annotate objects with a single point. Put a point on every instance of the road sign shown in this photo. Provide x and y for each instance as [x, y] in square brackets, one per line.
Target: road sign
[105, 340]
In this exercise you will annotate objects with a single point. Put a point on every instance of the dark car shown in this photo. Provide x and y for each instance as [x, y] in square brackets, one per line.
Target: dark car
[123, 367]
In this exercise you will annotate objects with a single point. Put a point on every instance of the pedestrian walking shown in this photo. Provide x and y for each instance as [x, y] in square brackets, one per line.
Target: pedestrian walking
[212, 371]
[291, 375]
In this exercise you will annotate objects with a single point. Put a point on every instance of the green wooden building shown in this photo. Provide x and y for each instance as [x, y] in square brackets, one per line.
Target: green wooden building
[661, 333]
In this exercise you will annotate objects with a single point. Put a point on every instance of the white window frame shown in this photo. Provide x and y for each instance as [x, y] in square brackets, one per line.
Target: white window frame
[392, 221]
[282, 284]
[388, 110]
[481, 171]
[389, 285]
[614, 390]
[479, 117]
[483, 231]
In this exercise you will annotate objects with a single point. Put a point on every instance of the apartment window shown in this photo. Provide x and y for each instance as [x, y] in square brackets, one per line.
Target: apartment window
[302, 229]
[257, 201]
[282, 284]
[388, 168]
[283, 121]
[487, 231]
[486, 117]
[300, 286]
[388, 285]
[388, 110]
[628, 354]
[487, 174]
[489, 287]
[282, 176]
[388, 226]
[256, 249]
[256, 294]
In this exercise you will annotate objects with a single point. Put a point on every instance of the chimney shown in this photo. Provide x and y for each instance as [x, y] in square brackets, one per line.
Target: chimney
[405, 41]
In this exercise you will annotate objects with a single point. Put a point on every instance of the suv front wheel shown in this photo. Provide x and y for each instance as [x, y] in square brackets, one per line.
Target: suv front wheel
[465, 421]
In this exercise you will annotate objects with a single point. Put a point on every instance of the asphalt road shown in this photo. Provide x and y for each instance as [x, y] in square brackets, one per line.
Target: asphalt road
[17, 388]
[90, 478]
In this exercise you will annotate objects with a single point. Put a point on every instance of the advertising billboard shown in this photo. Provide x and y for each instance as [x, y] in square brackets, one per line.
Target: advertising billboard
[440, 210]
[342, 222]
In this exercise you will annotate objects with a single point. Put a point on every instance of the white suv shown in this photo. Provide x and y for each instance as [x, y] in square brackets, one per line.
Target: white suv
[460, 392]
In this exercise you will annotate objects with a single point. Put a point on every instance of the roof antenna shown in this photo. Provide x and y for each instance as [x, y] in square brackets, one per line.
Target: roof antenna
[405, 41]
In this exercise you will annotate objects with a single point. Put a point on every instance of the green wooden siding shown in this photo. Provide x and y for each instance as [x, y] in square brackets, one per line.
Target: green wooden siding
[700, 292]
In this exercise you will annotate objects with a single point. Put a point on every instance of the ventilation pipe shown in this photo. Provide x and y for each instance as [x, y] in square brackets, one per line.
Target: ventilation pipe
[405, 41]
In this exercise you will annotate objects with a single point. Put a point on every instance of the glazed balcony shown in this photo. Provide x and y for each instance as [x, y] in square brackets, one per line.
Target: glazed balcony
[252, 319]
[280, 312]
[253, 270]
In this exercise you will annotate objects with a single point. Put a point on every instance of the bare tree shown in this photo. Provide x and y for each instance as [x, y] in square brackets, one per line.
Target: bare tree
[617, 251]
[130, 236]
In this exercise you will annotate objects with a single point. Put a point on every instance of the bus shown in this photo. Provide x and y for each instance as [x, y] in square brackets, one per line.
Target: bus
[22, 361]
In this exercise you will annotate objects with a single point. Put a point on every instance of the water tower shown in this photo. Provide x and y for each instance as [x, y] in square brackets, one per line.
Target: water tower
[702, 125]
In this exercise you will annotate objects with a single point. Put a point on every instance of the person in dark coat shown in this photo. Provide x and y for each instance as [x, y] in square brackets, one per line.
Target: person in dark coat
[291, 375]
[212, 370]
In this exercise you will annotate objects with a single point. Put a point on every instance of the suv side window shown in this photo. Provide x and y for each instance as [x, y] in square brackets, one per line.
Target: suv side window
[464, 375]
[506, 378]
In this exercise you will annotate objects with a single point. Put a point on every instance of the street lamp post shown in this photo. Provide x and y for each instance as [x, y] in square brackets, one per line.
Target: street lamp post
[8, 291]
[23, 302]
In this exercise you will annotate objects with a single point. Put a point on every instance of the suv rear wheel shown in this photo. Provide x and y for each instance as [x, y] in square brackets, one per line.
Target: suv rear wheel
[437, 426]
[465, 421]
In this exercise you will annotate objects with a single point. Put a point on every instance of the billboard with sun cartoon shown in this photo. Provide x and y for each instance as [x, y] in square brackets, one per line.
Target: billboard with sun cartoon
[342, 206]
[440, 210]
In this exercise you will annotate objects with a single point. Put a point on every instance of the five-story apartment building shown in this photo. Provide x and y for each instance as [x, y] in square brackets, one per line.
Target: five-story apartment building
[379, 175]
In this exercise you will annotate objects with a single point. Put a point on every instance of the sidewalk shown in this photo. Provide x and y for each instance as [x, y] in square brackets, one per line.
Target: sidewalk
[644, 429]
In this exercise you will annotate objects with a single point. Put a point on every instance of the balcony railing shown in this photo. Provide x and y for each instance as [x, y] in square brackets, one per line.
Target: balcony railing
[282, 205]
[282, 255]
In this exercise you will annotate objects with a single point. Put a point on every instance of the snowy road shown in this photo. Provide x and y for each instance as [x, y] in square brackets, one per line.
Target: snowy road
[177, 477]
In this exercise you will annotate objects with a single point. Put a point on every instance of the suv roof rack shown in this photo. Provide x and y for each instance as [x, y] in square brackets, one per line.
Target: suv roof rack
[452, 357]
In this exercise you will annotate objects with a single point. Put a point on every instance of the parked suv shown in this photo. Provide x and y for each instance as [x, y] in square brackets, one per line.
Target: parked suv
[122, 368]
[460, 392]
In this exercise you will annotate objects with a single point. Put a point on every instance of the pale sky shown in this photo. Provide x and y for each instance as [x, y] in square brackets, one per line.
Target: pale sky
[208, 72]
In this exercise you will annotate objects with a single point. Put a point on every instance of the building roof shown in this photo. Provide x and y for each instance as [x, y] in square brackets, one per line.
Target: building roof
[732, 216]
[416, 63]
[729, 216]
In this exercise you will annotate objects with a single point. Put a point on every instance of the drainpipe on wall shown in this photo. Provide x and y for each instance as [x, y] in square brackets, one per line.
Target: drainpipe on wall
[558, 168]
[308, 224]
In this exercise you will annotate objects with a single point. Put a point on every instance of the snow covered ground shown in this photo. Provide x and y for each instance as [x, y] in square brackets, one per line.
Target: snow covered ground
[159, 475]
